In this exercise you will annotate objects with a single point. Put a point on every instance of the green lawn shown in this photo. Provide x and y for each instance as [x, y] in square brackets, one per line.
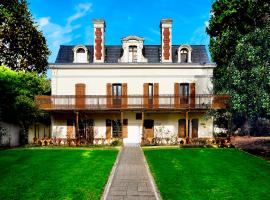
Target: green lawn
[54, 173]
[209, 174]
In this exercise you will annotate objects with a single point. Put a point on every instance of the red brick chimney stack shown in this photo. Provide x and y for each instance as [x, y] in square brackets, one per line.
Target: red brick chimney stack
[166, 40]
[99, 42]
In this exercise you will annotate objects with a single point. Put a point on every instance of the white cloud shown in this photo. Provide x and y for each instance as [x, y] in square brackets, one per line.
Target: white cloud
[81, 10]
[43, 21]
[57, 34]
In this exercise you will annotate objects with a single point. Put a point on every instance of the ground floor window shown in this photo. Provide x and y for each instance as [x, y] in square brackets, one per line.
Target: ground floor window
[116, 128]
[86, 129]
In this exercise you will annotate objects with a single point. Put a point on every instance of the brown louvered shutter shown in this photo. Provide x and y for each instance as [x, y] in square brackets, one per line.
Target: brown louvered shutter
[192, 95]
[125, 128]
[108, 128]
[176, 95]
[109, 95]
[145, 95]
[124, 95]
[156, 95]
[80, 95]
[181, 128]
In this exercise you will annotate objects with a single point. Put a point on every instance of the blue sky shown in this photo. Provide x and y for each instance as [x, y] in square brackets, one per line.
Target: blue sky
[70, 21]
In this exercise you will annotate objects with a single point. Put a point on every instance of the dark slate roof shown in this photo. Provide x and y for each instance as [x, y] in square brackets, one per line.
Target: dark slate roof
[151, 52]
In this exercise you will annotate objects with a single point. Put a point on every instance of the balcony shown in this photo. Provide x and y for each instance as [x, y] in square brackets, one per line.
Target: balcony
[132, 102]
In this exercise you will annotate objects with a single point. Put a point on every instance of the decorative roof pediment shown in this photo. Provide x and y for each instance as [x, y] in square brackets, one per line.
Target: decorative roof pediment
[132, 37]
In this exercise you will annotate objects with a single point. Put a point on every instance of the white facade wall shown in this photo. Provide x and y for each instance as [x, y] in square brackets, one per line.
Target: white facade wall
[167, 122]
[96, 78]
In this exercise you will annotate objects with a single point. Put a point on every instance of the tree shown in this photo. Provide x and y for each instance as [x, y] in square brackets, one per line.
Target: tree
[22, 45]
[239, 44]
[18, 90]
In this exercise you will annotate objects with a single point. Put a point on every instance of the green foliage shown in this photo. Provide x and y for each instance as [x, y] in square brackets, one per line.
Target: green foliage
[208, 174]
[55, 173]
[116, 142]
[22, 45]
[17, 96]
[239, 44]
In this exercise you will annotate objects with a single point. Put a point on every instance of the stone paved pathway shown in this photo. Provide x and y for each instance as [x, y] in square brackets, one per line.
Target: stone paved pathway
[131, 180]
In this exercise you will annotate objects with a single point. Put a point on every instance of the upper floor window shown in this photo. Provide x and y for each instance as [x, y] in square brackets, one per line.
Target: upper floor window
[80, 54]
[184, 54]
[184, 92]
[117, 94]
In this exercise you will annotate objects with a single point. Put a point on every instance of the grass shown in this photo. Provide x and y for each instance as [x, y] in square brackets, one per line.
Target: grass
[54, 173]
[209, 174]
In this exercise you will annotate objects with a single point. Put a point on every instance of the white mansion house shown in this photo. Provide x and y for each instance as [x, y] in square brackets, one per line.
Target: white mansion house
[132, 92]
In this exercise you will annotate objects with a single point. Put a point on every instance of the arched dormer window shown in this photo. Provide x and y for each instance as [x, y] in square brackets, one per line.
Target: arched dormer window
[132, 50]
[80, 54]
[184, 54]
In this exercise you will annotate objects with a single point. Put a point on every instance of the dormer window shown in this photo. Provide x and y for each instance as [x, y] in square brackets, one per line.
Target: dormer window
[184, 54]
[80, 54]
[132, 50]
[132, 55]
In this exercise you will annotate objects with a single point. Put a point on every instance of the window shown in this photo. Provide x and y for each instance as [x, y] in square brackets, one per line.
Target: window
[80, 54]
[184, 93]
[138, 116]
[132, 56]
[184, 55]
[117, 93]
[117, 128]
[148, 123]
[150, 93]
[80, 50]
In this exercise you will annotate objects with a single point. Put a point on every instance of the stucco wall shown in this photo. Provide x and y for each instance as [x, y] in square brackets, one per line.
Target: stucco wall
[41, 131]
[64, 80]
[12, 134]
[168, 123]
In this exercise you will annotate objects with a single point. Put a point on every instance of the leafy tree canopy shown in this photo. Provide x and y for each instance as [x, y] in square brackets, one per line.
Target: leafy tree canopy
[239, 44]
[22, 45]
[17, 96]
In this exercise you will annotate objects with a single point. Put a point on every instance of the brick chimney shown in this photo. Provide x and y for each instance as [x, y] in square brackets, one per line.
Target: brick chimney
[99, 46]
[166, 40]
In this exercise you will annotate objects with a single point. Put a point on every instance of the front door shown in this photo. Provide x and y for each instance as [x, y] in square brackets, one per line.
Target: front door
[195, 125]
[149, 129]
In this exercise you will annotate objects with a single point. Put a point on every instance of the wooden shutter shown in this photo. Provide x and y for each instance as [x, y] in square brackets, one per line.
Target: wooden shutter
[176, 95]
[109, 95]
[192, 95]
[156, 95]
[69, 128]
[108, 129]
[125, 128]
[195, 126]
[80, 95]
[181, 128]
[145, 95]
[124, 95]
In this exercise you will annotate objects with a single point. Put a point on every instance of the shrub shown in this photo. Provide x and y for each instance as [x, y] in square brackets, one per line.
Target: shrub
[116, 142]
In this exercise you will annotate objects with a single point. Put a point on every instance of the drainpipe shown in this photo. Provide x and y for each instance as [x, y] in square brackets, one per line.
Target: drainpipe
[187, 123]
